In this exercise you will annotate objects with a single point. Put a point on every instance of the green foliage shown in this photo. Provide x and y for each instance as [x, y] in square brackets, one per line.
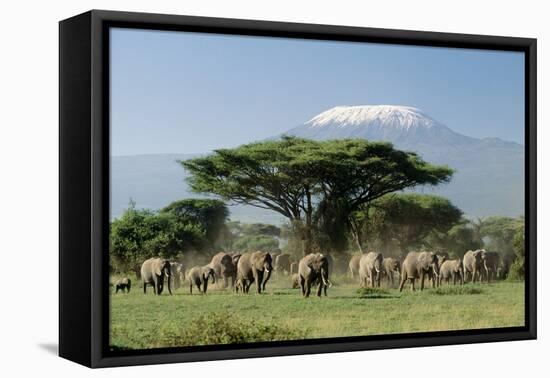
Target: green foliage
[209, 214]
[251, 237]
[372, 292]
[292, 176]
[517, 270]
[408, 219]
[249, 243]
[140, 234]
[260, 229]
[215, 329]
[499, 232]
[456, 290]
[457, 240]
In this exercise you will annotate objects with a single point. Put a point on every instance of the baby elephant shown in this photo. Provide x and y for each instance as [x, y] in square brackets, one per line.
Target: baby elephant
[199, 276]
[123, 284]
[451, 269]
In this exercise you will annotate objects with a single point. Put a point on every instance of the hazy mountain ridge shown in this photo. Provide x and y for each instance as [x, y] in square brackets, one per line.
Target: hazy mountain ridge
[489, 178]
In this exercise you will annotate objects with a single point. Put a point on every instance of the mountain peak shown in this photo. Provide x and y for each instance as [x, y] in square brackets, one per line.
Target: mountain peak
[378, 116]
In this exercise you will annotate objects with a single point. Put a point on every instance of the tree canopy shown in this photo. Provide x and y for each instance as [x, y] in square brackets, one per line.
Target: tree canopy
[183, 225]
[292, 176]
[408, 219]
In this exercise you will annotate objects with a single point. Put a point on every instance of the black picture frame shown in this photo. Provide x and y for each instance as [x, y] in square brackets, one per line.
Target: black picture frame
[84, 186]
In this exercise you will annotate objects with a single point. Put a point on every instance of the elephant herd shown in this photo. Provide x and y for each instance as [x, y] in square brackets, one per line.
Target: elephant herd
[240, 271]
[437, 267]
[235, 269]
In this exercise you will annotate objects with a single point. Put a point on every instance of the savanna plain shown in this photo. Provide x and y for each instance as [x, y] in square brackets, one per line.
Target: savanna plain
[222, 316]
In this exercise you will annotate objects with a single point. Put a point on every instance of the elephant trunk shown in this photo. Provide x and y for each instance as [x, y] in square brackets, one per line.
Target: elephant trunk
[324, 278]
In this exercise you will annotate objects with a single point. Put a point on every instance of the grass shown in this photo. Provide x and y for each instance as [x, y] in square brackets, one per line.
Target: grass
[141, 321]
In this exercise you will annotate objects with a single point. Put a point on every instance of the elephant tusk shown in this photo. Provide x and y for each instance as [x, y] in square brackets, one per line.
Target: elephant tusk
[266, 270]
[329, 283]
[377, 270]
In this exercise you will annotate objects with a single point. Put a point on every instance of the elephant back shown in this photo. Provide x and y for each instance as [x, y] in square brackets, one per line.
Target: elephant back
[222, 263]
[410, 265]
[147, 268]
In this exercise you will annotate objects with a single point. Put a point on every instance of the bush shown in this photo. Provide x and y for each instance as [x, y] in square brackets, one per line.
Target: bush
[373, 292]
[456, 290]
[225, 329]
[517, 269]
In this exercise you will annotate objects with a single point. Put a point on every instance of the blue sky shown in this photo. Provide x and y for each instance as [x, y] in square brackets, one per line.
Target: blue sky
[175, 92]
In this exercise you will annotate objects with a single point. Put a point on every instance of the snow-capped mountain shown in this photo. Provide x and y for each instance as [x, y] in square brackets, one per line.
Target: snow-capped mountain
[489, 178]
[490, 171]
[398, 124]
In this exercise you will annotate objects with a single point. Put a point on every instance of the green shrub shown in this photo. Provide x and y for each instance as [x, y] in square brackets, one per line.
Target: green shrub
[223, 329]
[456, 290]
[372, 292]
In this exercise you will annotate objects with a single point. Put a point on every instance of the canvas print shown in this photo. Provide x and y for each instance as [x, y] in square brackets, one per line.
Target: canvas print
[275, 189]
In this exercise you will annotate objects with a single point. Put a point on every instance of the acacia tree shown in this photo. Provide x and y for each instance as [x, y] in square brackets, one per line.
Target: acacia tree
[292, 176]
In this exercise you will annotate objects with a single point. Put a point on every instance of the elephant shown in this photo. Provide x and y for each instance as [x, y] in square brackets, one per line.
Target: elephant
[178, 274]
[417, 265]
[490, 262]
[223, 266]
[370, 266]
[235, 258]
[354, 266]
[451, 269]
[282, 263]
[473, 264]
[123, 284]
[504, 266]
[389, 266]
[153, 272]
[294, 267]
[199, 276]
[295, 281]
[254, 267]
[313, 268]
[441, 258]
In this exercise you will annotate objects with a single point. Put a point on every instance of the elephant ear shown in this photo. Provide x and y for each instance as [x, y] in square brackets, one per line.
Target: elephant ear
[158, 269]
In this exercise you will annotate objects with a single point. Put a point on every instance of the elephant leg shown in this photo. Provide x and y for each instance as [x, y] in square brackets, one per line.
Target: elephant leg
[403, 279]
[302, 285]
[144, 288]
[308, 288]
[259, 281]
[204, 286]
[191, 288]
[422, 278]
[320, 289]
[473, 275]
[412, 284]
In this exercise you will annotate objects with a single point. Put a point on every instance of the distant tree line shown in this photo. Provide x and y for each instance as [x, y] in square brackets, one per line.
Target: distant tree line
[338, 196]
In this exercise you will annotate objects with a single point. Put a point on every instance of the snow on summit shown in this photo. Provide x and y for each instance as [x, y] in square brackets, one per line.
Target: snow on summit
[381, 116]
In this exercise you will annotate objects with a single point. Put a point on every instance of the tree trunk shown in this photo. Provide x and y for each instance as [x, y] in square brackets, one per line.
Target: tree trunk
[307, 235]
